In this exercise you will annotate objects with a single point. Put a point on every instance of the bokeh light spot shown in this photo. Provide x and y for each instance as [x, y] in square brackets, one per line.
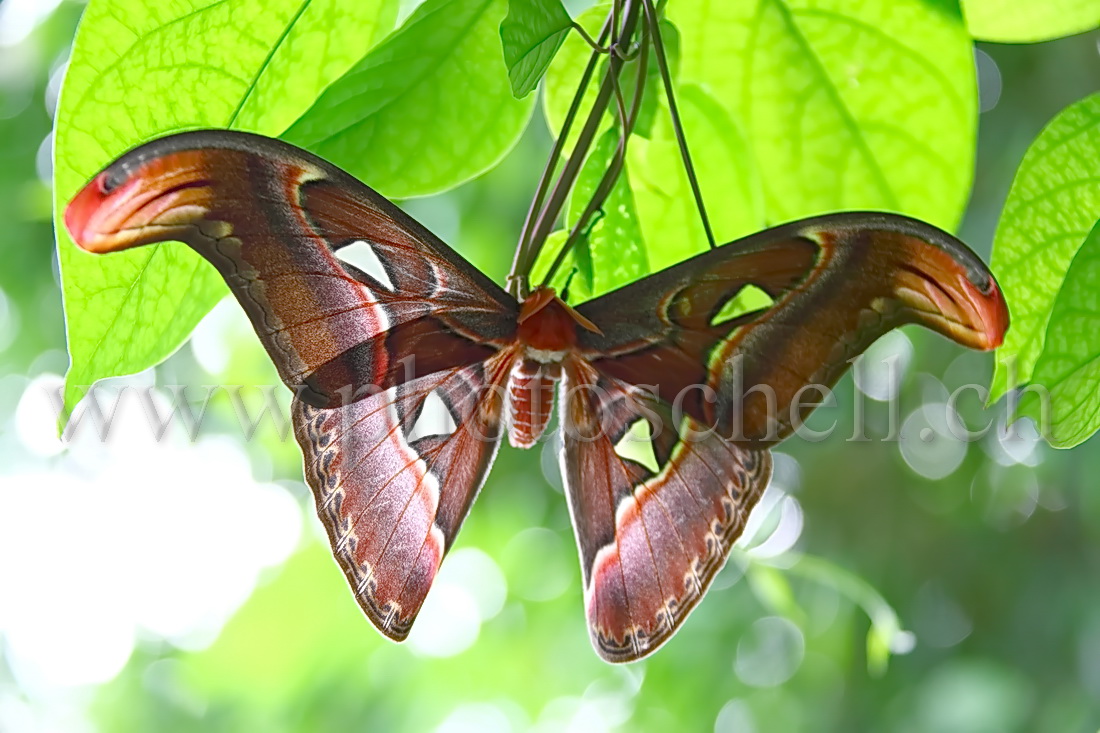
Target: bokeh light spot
[879, 372]
[19, 18]
[36, 416]
[928, 444]
[476, 718]
[472, 569]
[449, 621]
[770, 653]
[1007, 495]
[9, 321]
[774, 526]
[990, 83]
[735, 717]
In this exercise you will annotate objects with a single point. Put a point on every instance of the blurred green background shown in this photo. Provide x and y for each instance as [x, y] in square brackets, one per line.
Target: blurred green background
[174, 584]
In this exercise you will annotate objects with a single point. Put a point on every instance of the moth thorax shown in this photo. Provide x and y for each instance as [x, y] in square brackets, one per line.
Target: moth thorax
[530, 400]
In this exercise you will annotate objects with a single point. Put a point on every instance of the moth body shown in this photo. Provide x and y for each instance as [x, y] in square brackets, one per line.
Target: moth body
[530, 400]
[546, 338]
[408, 365]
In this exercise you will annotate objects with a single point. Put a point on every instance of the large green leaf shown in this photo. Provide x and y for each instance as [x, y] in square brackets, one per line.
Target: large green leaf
[1028, 21]
[426, 110]
[845, 103]
[531, 34]
[615, 247]
[565, 74]
[650, 220]
[140, 70]
[1069, 366]
[727, 177]
[618, 250]
[794, 108]
[1053, 203]
[578, 259]
[654, 94]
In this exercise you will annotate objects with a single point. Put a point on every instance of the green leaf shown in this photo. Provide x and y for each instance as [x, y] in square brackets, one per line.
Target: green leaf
[428, 109]
[750, 298]
[531, 34]
[728, 178]
[565, 73]
[1052, 205]
[653, 99]
[578, 258]
[845, 103]
[140, 70]
[614, 251]
[1028, 21]
[1069, 365]
[568, 67]
[615, 245]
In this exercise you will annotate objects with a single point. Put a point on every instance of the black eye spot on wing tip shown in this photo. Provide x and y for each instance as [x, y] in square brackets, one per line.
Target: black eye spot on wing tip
[986, 286]
[976, 271]
[112, 178]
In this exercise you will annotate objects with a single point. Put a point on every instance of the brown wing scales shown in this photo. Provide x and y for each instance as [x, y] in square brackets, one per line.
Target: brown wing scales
[369, 354]
[650, 541]
[393, 506]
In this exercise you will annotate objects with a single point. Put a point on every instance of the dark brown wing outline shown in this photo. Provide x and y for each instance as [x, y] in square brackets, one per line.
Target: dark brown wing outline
[838, 282]
[651, 538]
[362, 353]
[271, 217]
[392, 505]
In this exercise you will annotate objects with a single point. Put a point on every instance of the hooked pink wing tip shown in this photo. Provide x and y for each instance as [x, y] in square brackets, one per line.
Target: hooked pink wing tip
[81, 209]
[995, 315]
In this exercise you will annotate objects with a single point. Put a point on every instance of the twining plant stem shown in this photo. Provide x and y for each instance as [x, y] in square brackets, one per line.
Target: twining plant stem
[547, 204]
[674, 113]
[589, 39]
[527, 249]
[607, 182]
[538, 226]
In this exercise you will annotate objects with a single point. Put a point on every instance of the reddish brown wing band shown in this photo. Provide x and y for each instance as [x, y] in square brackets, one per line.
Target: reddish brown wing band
[653, 533]
[652, 538]
[271, 218]
[391, 501]
[363, 353]
[371, 355]
[838, 282]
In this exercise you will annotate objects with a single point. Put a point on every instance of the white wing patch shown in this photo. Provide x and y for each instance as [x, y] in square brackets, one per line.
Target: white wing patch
[637, 445]
[435, 419]
[362, 255]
